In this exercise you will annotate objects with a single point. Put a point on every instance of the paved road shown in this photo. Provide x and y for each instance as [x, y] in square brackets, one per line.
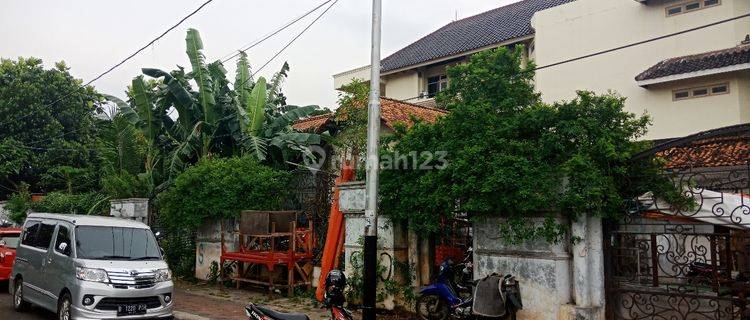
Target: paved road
[6, 309]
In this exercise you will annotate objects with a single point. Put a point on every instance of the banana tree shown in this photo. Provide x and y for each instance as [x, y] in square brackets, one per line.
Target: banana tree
[266, 122]
[214, 119]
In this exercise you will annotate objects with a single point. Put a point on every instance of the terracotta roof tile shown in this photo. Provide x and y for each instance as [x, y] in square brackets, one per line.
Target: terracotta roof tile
[312, 123]
[395, 111]
[709, 153]
[391, 111]
[697, 62]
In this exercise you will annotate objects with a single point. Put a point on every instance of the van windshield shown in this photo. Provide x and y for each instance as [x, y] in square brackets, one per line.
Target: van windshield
[116, 243]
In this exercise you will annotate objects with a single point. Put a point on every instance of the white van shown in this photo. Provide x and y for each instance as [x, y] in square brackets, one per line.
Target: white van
[91, 267]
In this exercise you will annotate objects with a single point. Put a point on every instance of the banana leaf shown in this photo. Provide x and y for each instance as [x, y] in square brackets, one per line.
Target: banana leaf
[275, 84]
[257, 147]
[148, 122]
[201, 75]
[255, 108]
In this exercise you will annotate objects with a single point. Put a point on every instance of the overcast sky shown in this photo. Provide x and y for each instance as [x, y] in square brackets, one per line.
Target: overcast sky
[92, 35]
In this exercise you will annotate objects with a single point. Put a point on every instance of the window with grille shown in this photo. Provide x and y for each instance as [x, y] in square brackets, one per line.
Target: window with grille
[690, 6]
[700, 92]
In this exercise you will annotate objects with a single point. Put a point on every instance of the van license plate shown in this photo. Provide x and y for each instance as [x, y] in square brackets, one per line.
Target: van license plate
[131, 309]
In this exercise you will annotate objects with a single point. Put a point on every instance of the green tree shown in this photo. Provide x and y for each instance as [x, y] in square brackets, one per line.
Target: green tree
[511, 155]
[46, 122]
[214, 120]
[220, 188]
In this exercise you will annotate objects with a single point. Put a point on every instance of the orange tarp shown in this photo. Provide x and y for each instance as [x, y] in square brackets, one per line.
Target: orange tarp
[334, 236]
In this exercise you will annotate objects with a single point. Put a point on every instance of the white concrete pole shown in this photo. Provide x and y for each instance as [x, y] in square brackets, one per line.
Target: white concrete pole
[372, 165]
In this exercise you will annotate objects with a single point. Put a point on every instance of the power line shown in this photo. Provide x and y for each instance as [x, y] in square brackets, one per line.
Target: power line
[291, 41]
[124, 60]
[643, 42]
[150, 42]
[627, 46]
[273, 33]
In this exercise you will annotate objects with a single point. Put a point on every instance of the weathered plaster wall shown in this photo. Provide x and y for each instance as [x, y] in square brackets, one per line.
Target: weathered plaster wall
[208, 245]
[542, 269]
[558, 281]
[133, 209]
[392, 239]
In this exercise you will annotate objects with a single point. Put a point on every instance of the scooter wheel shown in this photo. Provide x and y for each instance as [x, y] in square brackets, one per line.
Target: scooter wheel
[431, 307]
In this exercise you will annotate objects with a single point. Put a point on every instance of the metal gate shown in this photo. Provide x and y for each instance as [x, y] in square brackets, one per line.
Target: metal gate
[312, 194]
[664, 263]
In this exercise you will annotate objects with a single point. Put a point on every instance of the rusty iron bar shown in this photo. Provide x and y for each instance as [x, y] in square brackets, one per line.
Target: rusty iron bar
[654, 262]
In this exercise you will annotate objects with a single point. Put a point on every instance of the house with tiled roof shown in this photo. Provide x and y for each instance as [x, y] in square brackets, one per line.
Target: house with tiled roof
[392, 114]
[692, 82]
[683, 62]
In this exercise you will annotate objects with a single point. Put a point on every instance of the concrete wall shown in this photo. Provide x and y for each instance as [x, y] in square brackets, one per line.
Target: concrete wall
[587, 26]
[542, 269]
[134, 209]
[392, 239]
[403, 85]
[558, 281]
[346, 77]
[208, 245]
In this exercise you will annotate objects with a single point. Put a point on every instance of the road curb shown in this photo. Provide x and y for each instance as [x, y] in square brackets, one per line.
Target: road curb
[179, 315]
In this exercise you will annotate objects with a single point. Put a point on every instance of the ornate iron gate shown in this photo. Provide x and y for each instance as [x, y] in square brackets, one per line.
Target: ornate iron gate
[664, 263]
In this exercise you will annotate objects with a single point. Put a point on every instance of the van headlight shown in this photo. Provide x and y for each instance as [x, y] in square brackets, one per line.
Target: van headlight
[94, 275]
[163, 275]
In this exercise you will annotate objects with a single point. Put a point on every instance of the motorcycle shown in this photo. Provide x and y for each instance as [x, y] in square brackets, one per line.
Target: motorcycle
[700, 273]
[493, 296]
[334, 300]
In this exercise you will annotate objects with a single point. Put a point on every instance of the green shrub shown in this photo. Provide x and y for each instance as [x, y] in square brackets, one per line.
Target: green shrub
[20, 203]
[221, 188]
[84, 203]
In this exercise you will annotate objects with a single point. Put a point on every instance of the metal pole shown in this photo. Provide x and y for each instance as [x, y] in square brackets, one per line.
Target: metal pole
[372, 165]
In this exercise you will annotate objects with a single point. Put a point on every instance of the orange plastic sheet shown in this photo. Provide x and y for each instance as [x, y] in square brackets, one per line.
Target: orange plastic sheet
[334, 235]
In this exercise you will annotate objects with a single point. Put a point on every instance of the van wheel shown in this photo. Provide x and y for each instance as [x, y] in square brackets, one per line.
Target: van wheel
[18, 303]
[63, 307]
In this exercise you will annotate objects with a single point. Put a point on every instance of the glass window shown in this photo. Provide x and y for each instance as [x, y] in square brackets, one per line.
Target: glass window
[116, 243]
[45, 235]
[436, 84]
[692, 6]
[29, 233]
[63, 236]
[700, 92]
[720, 89]
[674, 10]
[11, 240]
[710, 2]
[681, 95]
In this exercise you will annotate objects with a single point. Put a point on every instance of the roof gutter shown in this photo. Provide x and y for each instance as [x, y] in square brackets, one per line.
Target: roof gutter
[460, 54]
[696, 74]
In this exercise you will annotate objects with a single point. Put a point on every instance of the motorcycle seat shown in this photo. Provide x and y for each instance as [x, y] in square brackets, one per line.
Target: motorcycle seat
[281, 315]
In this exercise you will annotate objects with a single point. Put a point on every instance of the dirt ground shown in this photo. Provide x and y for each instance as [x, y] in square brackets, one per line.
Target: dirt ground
[224, 303]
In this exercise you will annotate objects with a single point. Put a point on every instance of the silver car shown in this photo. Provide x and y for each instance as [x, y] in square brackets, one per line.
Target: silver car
[89, 267]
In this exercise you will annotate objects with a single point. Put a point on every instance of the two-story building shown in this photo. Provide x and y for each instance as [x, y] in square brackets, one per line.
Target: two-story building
[684, 62]
[690, 82]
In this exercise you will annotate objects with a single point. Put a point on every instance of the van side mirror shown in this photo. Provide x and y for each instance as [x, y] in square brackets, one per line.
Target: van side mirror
[162, 251]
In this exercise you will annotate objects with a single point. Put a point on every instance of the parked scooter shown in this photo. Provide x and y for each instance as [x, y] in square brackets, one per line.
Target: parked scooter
[334, 301]
[700, 273]
[493, 296]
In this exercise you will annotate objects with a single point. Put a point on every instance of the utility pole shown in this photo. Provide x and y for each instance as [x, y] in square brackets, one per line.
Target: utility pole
[372, 165]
